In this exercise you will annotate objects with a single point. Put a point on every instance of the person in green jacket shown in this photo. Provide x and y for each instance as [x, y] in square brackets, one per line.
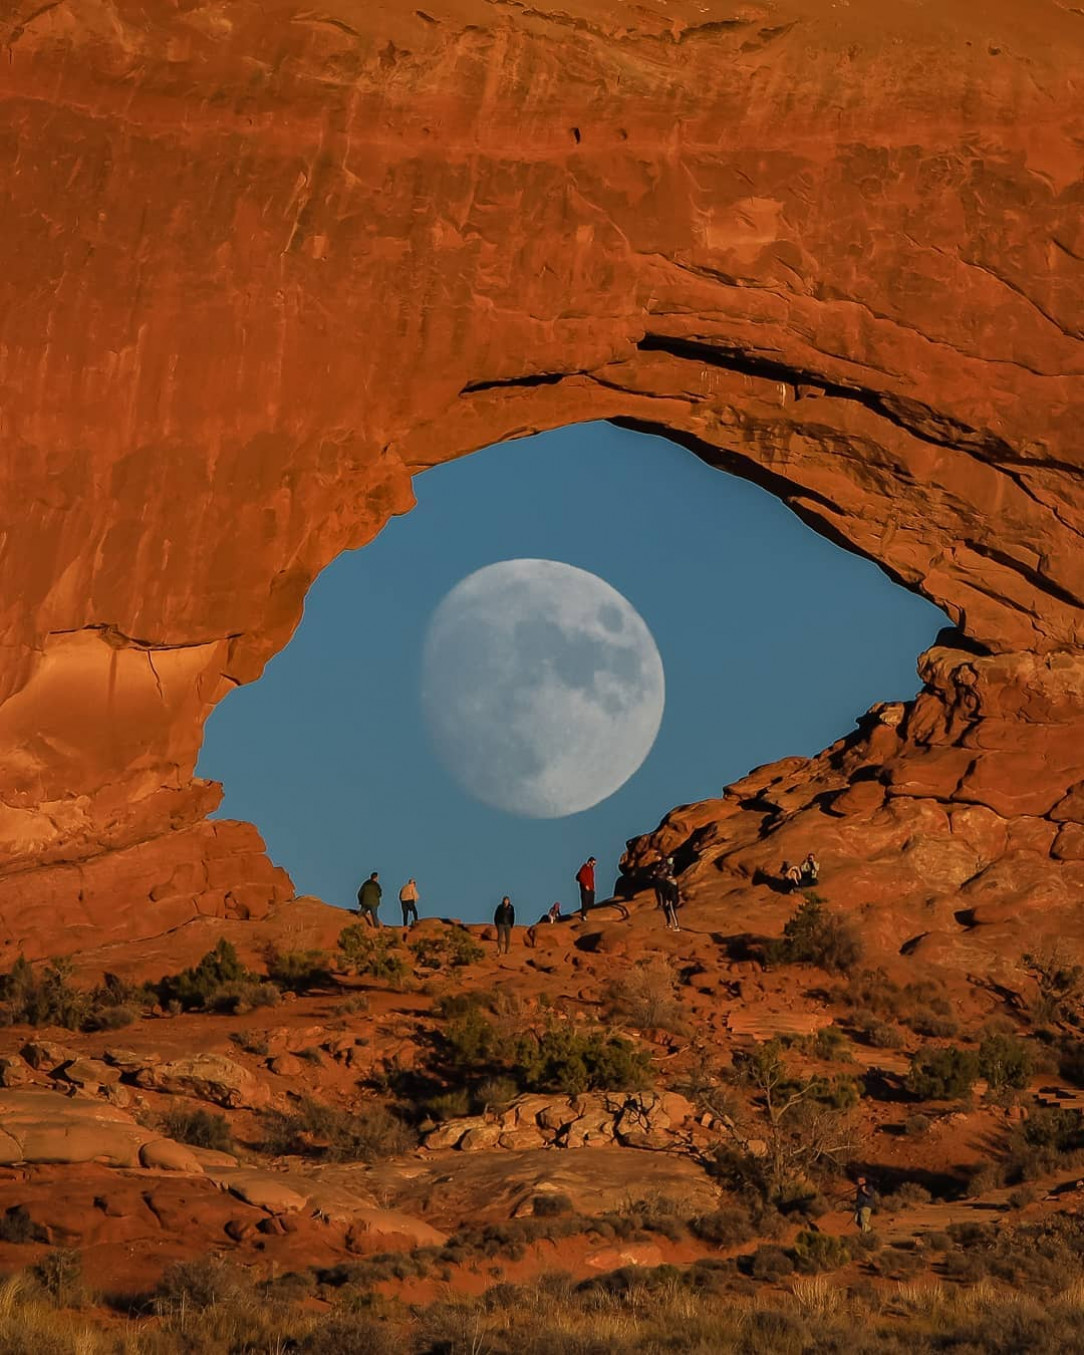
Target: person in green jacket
[369, 900]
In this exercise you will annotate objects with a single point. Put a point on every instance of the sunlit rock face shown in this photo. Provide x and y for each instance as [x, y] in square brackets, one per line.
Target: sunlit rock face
[264, 263]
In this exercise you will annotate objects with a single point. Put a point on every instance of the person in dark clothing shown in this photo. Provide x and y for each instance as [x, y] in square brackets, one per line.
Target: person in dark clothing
[811, 869]
[585, 878]
[864, 1200]
[666, 894]
[369, 900]
[504, 920]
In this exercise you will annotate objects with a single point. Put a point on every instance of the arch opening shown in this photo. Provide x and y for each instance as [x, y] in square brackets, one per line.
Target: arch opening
[772, 640]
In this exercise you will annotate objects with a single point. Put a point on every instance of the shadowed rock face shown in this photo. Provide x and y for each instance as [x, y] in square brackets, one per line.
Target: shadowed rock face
[267, 262]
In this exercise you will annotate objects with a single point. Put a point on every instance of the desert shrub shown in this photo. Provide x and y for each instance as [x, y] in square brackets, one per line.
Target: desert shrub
[942, 1074]
[1004, 1061]
[815, 937]
[830, 1045]
[199, 1284]
[17, 1227]
[1059, 984]
[60, 1274]
[770, 1263]
[296, 971]
[905, 1196]
[450, 1105]
[645, 996]
[218, 983]
[567, 1058]
[352, 1333]
[46, 996]
[199, 1128]
[370, 953]
[251, 1041]
[813, 1253]
[451, 948]
[915, 1126]
[932, 1023]
[551, 1206]
[317, 1130]
[495, 1091]
[875, 1031]
[723, 1228]
[1050, 1139]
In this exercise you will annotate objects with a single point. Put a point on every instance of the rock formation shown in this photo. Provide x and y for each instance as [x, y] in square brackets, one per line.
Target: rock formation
[266, 262]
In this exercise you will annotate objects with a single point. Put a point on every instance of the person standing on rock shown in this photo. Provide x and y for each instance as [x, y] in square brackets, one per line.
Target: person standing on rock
[369, 900]
[408, 901]
[585, 878]
[864, 1200]
[504, 919]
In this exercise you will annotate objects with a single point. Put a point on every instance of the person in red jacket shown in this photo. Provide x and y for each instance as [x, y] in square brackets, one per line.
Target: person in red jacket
[585, 878]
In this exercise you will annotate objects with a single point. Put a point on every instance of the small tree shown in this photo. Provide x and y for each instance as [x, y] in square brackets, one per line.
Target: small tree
[813, 936]
[945, 1074]
[804, 1119]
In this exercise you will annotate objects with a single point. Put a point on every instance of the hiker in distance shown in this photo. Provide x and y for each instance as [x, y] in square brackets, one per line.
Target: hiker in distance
[408, 901]
[504, 919]
[369, 900]
[810, 868]
[585, 878]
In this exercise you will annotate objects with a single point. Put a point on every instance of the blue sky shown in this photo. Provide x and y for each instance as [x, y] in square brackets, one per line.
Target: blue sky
[773, 641]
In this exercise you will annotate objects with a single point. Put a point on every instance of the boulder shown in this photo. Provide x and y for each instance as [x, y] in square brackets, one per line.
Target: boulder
[45, 1056]
[208, 1077]
[285, 1065]
[168, 1156]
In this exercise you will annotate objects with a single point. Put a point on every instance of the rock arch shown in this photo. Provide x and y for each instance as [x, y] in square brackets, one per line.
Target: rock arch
[269, 263]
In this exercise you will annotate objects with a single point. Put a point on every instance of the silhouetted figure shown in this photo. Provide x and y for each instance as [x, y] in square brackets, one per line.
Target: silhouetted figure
[504, 919]
[585, 878]
[667, 896]
[810, 868]
[369, 900]
[864, 1200]
[408, 901]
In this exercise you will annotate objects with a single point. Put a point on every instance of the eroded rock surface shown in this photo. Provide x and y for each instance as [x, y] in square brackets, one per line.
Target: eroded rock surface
[266, 264]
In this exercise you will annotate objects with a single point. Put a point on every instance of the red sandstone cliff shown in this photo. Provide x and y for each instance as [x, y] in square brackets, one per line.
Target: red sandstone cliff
[266, 262]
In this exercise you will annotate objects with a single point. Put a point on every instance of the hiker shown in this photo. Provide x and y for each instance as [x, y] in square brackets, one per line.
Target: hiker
[585, 878]
[667, 896]
[810, 869]
[864, 1199]
[504, 919]
[408, 901]
[792, 876]
[554, 914]
[369, 900]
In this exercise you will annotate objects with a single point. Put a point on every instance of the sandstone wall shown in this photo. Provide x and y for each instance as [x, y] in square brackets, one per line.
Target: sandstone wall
[266, 262]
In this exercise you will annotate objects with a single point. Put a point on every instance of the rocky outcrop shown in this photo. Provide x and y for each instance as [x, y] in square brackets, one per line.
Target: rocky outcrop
[267, 264]
[946, 827]
[589, 1120]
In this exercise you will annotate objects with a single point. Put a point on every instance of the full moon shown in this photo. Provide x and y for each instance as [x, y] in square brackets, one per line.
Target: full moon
[542, 687]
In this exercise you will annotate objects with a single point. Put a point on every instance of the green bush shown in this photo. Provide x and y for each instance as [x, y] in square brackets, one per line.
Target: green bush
[567, 1058]
[723, 1228]
[199, 1128]
[452, 948]
[942, 1074]
[813, 1253]
[372, 953]
[218, 983]
[1005, 1062]
[60, 1274]
[47, 997]
[815, 937]
[296, 971]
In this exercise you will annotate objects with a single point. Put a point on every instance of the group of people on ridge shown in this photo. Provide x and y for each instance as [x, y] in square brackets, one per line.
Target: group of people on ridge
[370, 894]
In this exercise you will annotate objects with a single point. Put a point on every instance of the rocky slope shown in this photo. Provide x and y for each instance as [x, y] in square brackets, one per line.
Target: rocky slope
[268, 262]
